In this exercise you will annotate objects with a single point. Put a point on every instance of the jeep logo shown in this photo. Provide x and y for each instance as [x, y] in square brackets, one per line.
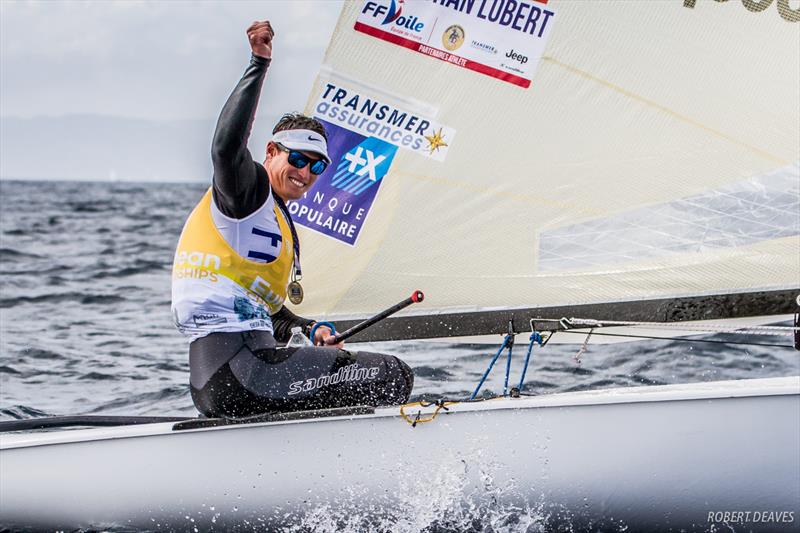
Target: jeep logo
[517, 57]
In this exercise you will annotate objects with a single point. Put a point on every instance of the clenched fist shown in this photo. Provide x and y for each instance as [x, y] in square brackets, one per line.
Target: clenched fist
[260, 34]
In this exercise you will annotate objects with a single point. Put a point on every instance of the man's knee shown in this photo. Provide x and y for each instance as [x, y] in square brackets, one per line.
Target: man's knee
[393, 385]
[405, 381]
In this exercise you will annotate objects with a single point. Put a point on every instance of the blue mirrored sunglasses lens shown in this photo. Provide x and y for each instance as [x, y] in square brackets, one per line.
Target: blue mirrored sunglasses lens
[318, 167]
[298, 160]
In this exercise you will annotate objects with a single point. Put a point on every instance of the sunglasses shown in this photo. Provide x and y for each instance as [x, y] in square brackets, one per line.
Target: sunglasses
[299, 160]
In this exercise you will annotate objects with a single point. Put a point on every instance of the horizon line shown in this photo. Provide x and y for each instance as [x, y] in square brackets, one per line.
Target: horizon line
[105, 180]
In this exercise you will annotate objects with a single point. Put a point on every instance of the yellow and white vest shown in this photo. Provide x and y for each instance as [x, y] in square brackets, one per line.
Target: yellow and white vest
[215, 288]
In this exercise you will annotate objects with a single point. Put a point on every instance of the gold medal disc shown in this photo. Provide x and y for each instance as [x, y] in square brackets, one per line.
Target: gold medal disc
[295, 292]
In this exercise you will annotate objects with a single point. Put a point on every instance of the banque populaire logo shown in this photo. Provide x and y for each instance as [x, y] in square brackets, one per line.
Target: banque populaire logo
[339, 202]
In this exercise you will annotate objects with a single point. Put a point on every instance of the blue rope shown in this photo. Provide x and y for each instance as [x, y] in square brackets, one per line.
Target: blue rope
[494, 359]
[536, 337]
[508, 370]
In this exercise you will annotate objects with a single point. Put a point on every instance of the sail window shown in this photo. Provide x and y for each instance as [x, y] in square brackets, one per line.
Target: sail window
[742, 213]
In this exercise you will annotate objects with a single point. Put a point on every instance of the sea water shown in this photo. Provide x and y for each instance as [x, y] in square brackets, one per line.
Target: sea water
[85, 328]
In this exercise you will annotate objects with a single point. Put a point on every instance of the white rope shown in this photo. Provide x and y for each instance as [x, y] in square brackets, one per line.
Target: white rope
[584, 347]
[787, 331]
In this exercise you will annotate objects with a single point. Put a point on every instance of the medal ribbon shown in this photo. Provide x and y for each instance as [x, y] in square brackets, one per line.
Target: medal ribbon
[298, 274]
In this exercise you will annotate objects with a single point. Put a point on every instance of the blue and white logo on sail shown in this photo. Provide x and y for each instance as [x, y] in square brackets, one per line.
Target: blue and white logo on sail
[339, 202]
[364, 166]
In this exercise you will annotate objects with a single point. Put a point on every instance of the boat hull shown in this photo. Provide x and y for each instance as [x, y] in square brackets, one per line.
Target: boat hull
[655, 458]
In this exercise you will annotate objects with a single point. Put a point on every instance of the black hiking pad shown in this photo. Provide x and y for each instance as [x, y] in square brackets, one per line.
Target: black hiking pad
[196, 423]
[49, 422]
[183, 422]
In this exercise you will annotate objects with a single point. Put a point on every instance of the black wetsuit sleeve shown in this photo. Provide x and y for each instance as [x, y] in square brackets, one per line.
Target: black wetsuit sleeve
[284, 320]
[240, 184]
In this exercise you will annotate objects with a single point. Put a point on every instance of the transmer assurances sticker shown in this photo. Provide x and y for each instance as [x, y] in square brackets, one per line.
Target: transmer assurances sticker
[377, 116]
[365, 128]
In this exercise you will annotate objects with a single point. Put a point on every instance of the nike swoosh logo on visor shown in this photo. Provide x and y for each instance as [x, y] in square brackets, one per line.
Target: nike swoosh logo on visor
[310, 138]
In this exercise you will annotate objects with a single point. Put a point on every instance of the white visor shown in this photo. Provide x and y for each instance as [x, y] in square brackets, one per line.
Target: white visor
[303, 140]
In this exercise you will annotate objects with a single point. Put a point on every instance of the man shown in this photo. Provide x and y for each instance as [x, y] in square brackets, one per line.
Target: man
[236, 256]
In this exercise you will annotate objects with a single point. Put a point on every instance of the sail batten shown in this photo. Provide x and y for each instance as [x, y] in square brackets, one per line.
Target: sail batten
[635, 151]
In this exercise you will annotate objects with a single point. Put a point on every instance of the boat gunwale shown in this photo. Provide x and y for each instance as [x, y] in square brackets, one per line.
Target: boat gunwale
[712, 390]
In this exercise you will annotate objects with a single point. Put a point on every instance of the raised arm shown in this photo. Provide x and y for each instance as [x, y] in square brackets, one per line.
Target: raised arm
[240, 184]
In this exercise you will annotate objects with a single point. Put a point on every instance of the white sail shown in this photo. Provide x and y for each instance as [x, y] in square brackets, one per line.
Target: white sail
[610, 150]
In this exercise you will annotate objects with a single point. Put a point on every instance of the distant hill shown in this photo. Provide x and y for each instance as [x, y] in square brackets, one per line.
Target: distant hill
[94, 147]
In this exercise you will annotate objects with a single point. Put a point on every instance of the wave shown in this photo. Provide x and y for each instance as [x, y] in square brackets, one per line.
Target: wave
[142, 247]
[638, 379]
[98, 376]
[92, 206]
[432, 373]
[140, 267]
[9, 254]
[82, 298]
[533, 386]
[37, 353]
[568, 367]
[35, 272]
[167, 367]
[18, 412]
[158, 396]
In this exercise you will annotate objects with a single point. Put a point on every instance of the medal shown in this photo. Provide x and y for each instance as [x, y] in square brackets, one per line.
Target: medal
[295, 292]
[293, 289]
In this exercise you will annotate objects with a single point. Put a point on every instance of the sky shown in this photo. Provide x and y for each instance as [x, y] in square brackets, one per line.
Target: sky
[151, 59]
[147, 73]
